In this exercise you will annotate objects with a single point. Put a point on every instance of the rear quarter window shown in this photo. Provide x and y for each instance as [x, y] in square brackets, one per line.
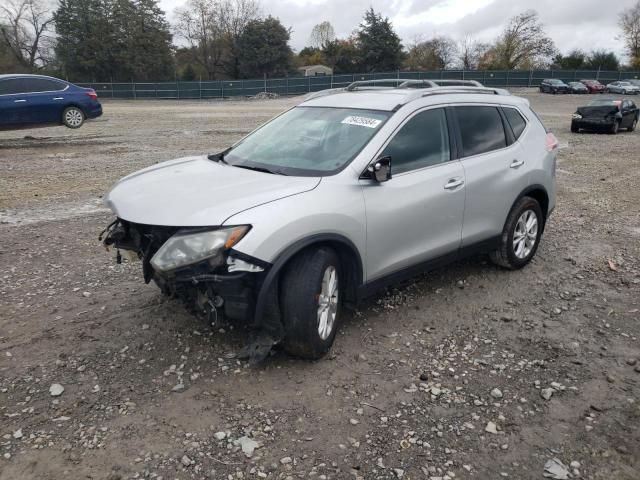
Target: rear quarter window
[517, 123]
[481, 129]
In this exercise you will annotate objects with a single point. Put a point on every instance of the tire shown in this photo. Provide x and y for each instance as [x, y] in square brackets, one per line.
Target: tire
[73, 117]
[615, 128]
[507, 256]
[300, 295]
[633, 125]
[574, 128]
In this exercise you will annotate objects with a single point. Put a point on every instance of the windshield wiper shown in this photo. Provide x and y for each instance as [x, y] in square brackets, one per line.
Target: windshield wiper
[261, 169]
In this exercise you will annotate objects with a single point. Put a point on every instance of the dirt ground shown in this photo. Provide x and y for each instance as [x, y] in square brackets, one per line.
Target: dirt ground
[468, 372]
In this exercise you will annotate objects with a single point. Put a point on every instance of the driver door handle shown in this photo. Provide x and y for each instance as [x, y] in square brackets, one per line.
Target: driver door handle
[19, 101]
[516, 163]
[454, 183]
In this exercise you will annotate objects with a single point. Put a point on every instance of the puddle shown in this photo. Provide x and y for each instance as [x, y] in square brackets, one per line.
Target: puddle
[51, 212]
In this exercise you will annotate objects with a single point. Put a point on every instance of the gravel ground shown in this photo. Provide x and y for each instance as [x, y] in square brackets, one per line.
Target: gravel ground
[467, 372]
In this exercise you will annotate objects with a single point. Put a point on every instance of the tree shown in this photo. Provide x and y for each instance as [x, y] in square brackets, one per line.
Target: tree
[311, 56]
[523, 43]
[188, 74]
[629, 22]
[24, 29]
[113, 40]
[379, 47]
[470, 52]
[235, 16]
[264, 49]
[435, 54]
[574, 60]
[602, 60]
[322, 34]
[200, 24]
[342, 56]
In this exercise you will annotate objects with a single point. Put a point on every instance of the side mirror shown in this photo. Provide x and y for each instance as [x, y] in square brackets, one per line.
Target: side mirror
[380, 169]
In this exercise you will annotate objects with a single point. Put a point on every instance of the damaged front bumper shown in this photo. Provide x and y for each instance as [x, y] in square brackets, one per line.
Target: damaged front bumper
[222, 290]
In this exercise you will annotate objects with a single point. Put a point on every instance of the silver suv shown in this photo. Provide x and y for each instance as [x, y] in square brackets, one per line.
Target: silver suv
[337, 198]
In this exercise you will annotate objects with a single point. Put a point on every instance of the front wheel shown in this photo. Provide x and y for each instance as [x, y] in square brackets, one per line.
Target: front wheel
[633, 125]
[574, 128]
[521, 235]
[615, 127]
[311, 302]
[72, 117]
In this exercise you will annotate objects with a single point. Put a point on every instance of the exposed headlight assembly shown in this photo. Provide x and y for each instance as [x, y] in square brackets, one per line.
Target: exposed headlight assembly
[577, 116]
[185, 248]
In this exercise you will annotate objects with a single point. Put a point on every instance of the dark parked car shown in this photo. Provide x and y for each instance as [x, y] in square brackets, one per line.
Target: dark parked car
[606, 115]
[34, 100]
[554, 85]
[577, 87]
[594, 86]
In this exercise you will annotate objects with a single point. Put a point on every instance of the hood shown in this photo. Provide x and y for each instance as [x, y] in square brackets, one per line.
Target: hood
[196, 191]
[599, 111]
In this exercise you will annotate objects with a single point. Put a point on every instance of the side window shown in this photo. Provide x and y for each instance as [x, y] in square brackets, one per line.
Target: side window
[516, 121]
[481, 129]
[12, 86]
[42, 85]
[422, 141]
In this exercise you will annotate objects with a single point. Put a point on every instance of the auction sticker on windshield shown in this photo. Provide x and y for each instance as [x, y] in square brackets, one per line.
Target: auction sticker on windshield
[362, 121]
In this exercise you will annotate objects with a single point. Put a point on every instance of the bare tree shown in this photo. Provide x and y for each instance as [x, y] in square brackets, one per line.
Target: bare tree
[523, 42]
[322, 34]
[470, 52]
[437, 53]
[629, 22]
[199, 23]
[235, 15]
[24, 26]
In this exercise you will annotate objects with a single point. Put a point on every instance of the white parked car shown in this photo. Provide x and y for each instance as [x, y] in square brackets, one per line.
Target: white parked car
[622, 87]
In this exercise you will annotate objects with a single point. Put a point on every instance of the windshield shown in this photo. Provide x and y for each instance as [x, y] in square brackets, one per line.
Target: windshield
[604, 103]
[308, 141]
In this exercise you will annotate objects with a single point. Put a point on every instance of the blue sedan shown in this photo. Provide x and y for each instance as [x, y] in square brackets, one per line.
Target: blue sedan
[35, 100]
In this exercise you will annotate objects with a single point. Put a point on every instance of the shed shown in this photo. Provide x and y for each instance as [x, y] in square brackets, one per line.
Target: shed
[315, 70]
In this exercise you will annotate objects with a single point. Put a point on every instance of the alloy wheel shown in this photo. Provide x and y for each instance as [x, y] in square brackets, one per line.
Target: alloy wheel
[526, 234]
[328, 302]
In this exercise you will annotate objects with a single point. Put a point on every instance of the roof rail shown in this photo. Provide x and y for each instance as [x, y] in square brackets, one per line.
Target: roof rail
[454, 89]
[444, 82]
[388, 82]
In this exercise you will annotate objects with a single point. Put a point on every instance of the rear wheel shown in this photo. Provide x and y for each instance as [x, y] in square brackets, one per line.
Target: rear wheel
[311, 302]
[521, 235]
[72, 117]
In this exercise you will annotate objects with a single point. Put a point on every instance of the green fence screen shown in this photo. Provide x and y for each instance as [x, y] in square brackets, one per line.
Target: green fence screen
[207, 89]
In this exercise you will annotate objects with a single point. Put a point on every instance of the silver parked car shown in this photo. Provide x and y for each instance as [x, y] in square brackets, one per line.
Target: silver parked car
[336, 198]
[623, 87]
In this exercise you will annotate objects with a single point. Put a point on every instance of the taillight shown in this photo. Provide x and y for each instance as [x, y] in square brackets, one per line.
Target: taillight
[551, 142]
[92, 94]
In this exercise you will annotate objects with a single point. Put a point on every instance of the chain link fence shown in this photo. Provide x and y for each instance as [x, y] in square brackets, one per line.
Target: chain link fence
[209, 89]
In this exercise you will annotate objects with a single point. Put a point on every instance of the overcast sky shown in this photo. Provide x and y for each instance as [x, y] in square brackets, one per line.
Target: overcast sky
[584, 24]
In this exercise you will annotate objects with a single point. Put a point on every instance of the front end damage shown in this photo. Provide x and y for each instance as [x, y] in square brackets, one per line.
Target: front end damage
[221, 285]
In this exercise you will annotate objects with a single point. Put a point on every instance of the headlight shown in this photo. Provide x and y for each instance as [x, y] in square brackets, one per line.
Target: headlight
[577, 116]
[186, 248]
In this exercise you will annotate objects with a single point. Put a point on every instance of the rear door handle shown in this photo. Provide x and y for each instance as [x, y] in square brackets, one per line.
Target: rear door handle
[453, 183]
[517, 163]
[58, 98]
[19, 101]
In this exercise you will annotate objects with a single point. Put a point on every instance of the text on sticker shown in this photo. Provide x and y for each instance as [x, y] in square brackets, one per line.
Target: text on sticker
[362, 121]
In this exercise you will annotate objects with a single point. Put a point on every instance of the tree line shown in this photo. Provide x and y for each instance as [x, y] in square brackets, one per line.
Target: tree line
[132, 40]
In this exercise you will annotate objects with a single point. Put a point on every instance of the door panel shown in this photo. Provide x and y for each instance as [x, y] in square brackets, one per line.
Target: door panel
[413, 218]
[495, 173]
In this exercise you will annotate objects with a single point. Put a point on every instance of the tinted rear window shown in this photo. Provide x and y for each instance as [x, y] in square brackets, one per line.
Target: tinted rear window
[481, 129]
[516, 121]
[42, 85]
